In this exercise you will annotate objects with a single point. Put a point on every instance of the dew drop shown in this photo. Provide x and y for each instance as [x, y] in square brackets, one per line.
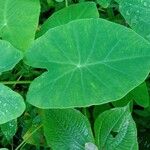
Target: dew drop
[90, 146]
[127, 13]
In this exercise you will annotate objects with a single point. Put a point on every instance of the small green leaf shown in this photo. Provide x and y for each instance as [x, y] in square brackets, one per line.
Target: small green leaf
[116, 130]
[11, 103]
[104, 3]
[9, 129]
[83, 67]
[137, 14]
[19, 21]
[66, 129]
[73, 12]
[4, 149]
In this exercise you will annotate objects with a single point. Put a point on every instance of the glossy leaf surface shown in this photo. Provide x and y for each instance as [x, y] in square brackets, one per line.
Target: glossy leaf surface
[83, 67]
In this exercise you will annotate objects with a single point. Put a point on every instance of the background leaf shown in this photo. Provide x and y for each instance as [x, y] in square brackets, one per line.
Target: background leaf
[11, 103]
[66, 129]
[116, 130]
[19, 21]
[67, 14]
[83, 67]
[136, 13]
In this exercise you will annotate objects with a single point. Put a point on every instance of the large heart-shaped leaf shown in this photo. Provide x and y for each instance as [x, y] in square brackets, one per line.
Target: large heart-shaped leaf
[137, 14]
[18, 21]
[116, 130]
[11, 103]
[66, 129]
[89, 61]
[73, 12]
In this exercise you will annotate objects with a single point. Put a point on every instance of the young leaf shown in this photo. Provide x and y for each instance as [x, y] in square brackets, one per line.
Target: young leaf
[83, 67]
[137, 14]
[18, 21]
[11, 103]
[66, 129]
[73, 12]
[116, 130]
[9, 129]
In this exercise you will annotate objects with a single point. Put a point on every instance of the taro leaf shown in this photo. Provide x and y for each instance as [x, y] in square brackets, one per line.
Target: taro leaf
[9, 129]
[73, 12]
[116, 130]
[18, 21]
[104, 3]
[89, 61]
[137, 14]
[66, 129]
[11, 103]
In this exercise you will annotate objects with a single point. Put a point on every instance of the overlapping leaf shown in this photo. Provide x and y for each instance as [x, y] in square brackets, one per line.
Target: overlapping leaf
[116, 130]
[11, 103]
[18, 21]
[67, 129]
[90, 61]
[73, 12]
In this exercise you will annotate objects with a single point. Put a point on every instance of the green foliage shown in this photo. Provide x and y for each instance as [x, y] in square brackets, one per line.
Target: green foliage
[18, 21]
[85, 78]
[104, 3]
[73, 12]
[66, 129]
[78, 74]
[11, 103]
[9, 129]
[136, 13]
[115, 129]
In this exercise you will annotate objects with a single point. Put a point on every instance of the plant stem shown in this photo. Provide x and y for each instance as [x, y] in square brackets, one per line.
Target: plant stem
[24, 141]
[66, 3]
[15, 82]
